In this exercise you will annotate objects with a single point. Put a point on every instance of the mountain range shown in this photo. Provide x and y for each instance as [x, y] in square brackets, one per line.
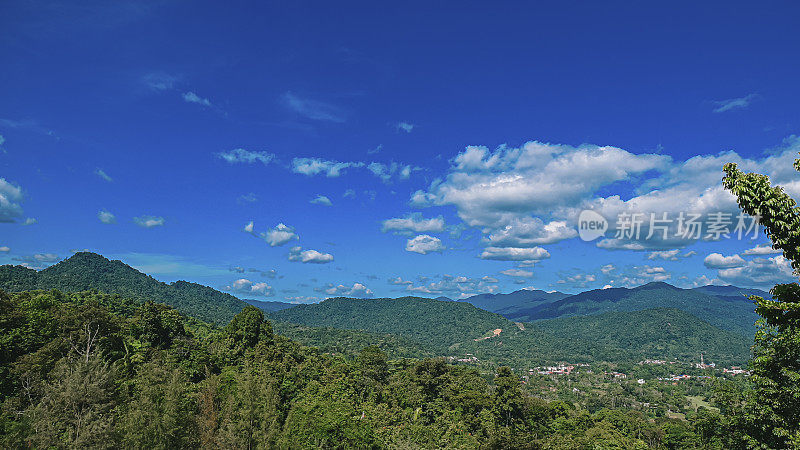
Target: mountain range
[656, 320]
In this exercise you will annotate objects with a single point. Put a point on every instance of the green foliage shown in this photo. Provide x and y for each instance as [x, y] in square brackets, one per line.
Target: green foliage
[771, 413]
[95, 370]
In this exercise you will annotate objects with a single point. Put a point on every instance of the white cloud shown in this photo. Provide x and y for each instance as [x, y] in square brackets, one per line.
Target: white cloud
[356, 290]
[414, 223]
[149, 221]
[102, 174]
[312, 109]
[515, 253]
[732, 104]
[247, 287]
[424, 244]
[106, 217]
[608, 268]
[240, 155]
[580, 281]
[10, 198]
[30, 221]
[191, 97]
[399, 281]
[761, 272]
[386, 171]
[639, 275]
[718, 261]
[277, 236]
[405, 126]
[529, 232]
[761, 250]
[314, 166]
[350, 193]
[309, 256]
[517, 273]
[669, 255]
[5, 249]
[249, 228]
[455, 286]
[510, 194]
[321, 200]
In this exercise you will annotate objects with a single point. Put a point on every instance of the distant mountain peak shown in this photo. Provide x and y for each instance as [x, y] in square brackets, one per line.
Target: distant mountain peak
[657, 285]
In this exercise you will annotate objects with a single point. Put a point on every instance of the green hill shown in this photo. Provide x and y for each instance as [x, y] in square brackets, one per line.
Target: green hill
[457, 329]
[90, 271]
[730, 312]
[433, 323]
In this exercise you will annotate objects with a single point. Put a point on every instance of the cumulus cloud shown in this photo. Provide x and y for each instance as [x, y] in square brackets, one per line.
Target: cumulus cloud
[517, 273]
[149, 221]
[762, 272]
[398, 281]
[515, 253]
[10, 198]
[314, 166]
[321, 200]
[37, 261]
[102, 174]
[249, 228]
[356, 290]
[297, 254]
[639, 275]
[424, 244]
[247, 287]
[313, 109]
[30, 221]
[669, 255]
[405, 126]
[414, 223]
[240, 155]
[454, 286]
[530, 232]
[493, 190]
[350, 193]
[277, 236]
[761, 250]
[581, 280]
[191, 97]
[106, 217]
[733, 104]
[718, 261]
[4, 249]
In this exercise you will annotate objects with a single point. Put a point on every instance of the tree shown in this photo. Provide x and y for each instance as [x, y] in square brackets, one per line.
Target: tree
[774, 404]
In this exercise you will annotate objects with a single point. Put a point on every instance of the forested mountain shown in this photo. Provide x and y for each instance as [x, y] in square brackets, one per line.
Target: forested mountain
[507, 304]
[90, 271]
[458, 329]
[730, 312]
[268, 306]
[433, 323]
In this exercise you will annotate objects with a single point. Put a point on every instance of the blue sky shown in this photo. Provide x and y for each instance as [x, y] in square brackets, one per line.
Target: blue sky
[156, 132]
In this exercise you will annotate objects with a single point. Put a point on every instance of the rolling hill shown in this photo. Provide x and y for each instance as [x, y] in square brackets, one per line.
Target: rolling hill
[433, 323]
[89, 271]
[459, 329]
[720, 307]
[508, 304]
